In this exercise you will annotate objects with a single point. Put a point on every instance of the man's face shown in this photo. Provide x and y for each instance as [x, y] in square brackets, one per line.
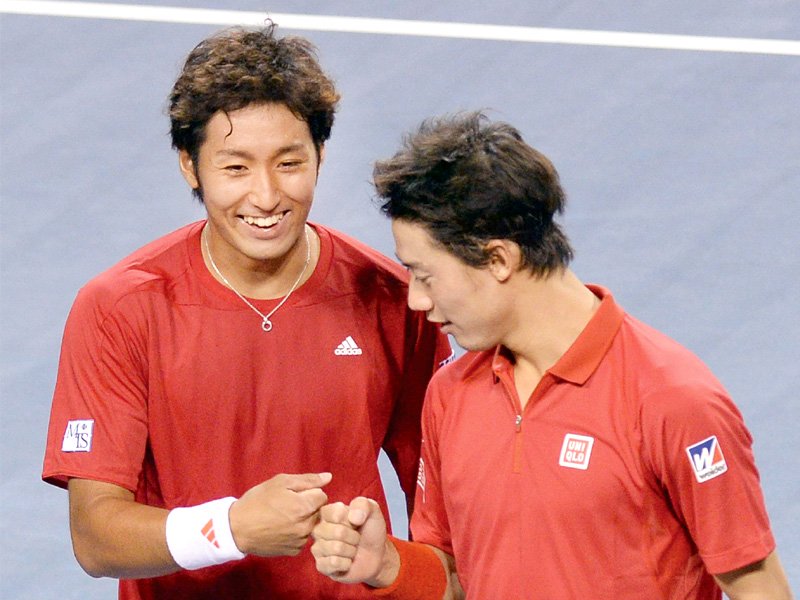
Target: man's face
[460, 297]
[257, 170]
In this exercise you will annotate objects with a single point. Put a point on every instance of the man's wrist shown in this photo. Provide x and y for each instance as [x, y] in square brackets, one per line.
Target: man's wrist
[235, 521]
[419, 573]
[200, 536]
[390, 567]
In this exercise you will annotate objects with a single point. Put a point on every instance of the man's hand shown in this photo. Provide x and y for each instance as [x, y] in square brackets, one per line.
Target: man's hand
[275, 518]
[351, 544]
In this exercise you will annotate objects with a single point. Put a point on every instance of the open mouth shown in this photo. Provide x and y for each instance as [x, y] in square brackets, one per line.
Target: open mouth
[263, 222]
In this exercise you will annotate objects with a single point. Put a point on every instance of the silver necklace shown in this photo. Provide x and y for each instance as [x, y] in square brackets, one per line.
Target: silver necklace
[266, 324]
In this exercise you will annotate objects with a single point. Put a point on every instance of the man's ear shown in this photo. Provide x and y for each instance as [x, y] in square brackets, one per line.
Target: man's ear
[188, 169]
[504, 258]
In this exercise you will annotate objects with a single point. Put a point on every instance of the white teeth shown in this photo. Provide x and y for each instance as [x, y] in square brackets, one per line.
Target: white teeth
[263, 221]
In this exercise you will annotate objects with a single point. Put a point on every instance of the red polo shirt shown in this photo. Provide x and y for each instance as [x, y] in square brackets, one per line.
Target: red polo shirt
[629, 474]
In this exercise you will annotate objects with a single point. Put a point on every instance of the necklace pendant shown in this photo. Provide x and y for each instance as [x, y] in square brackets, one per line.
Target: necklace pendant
[266, 324]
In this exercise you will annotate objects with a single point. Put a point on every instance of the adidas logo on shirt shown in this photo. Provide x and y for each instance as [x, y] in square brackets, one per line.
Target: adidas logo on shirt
[348, 347]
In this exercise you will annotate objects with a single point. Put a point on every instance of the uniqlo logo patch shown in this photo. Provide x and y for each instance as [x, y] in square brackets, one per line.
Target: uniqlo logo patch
[576, 451]
[706, 459]
[78, 436]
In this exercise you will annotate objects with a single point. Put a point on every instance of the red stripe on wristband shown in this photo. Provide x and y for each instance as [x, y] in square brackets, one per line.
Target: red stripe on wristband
[421, 576]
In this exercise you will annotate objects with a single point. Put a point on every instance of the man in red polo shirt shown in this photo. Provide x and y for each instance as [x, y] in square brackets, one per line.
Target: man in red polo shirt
[573, 452]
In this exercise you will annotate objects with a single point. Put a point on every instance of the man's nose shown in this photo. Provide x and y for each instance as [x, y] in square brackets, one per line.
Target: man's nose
[418, 299]
[264, 192]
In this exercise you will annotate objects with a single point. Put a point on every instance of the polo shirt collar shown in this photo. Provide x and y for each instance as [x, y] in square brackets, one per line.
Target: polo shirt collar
[587, 351]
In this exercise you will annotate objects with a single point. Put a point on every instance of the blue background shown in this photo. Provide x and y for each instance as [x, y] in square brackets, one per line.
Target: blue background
[682, 170]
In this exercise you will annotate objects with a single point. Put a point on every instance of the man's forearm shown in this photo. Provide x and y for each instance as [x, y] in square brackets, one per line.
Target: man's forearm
[114, 536]
[763, 580]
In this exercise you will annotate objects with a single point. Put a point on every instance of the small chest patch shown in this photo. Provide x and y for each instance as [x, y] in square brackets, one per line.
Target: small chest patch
[576, 451]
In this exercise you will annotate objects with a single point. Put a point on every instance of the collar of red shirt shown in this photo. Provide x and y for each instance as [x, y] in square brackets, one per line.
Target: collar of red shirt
[587, 351]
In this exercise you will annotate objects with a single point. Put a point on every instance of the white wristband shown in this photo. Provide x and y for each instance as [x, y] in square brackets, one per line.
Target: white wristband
[200, 536]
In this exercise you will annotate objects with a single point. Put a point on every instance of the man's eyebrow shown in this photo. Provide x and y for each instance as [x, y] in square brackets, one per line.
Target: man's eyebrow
[234, 152]
[290, 148]
[407, 265]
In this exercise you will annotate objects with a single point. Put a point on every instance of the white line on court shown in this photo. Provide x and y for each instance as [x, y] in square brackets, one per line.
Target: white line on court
[200, 16]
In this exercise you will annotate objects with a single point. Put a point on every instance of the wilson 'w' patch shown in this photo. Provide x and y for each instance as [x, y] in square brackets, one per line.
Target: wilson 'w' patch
[707, 459]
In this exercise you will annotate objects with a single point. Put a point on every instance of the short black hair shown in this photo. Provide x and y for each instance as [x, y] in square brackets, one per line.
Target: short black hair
[238, 67]
[468, 180]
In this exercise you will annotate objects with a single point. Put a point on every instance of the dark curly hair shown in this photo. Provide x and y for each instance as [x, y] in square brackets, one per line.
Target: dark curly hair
[467, 181]
[238, 67]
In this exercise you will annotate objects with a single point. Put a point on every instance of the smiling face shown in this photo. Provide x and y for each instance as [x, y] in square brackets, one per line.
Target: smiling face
[256, 171]
[469, 302]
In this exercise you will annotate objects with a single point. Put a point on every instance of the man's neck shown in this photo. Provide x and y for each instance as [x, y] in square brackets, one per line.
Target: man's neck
[550, 315]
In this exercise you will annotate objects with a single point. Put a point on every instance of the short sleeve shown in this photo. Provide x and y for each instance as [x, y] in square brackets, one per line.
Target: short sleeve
[700, 450]
[429, 350]
[98, 420]
[429, 523]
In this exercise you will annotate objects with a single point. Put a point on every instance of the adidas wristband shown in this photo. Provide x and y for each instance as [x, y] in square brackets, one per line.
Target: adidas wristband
[200, 536]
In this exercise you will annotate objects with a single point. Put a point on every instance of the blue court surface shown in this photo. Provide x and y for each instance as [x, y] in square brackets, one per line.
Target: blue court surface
[679, 149]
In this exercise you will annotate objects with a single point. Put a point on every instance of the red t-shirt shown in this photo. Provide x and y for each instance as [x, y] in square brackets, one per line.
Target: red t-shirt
[628, 475]
[168, 387]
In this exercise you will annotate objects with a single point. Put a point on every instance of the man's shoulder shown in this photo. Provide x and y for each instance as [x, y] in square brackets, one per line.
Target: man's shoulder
[153, 267]
[669, 379]
[360, 260]
[654, 352]
[468, 369]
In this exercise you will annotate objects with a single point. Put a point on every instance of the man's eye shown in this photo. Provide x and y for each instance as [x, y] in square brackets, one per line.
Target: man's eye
[235, 168]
